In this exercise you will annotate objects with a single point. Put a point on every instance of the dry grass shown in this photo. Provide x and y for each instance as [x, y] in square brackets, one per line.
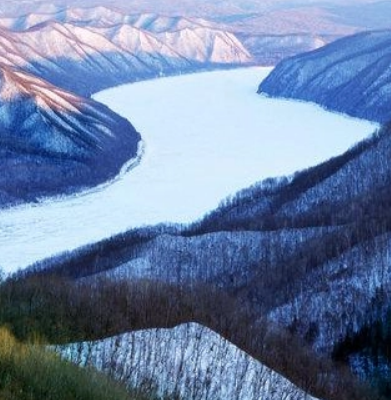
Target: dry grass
[28, 372]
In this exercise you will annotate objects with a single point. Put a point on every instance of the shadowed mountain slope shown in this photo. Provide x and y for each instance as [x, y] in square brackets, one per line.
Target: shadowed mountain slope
[351, 75]
[52, 140]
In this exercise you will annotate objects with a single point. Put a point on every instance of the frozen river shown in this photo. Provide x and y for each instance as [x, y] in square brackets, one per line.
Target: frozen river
[205, 136]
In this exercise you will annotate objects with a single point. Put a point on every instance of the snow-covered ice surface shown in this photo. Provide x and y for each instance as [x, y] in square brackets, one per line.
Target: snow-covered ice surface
[189, 360]
[206, 136]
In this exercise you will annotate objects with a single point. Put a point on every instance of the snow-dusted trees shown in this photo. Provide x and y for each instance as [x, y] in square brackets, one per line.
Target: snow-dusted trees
[190, 361]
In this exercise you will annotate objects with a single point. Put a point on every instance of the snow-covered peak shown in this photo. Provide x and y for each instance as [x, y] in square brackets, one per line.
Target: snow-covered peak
[55, 39]
[189, 360]
[136, 41]
[99, 15]
[102, 16]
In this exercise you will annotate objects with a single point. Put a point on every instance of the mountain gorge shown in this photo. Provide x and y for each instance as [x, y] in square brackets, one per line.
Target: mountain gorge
[272, 294]
[84, 50]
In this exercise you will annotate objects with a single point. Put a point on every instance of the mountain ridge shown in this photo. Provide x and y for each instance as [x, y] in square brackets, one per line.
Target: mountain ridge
[128, 50]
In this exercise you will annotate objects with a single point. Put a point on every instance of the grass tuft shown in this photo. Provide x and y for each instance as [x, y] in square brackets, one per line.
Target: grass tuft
[29, 372]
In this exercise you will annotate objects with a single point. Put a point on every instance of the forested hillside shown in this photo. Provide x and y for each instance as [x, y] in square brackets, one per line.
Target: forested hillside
[350, 75]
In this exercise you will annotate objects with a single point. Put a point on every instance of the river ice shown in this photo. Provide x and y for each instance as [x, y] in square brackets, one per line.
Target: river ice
[206, 136]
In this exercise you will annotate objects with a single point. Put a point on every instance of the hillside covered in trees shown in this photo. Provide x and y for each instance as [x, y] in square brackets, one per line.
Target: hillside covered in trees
[350, 75]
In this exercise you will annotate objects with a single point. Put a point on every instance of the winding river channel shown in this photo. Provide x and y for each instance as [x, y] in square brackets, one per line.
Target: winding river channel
[205, 136]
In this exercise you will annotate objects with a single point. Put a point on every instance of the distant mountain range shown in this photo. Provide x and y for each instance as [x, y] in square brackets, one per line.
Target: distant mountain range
[88, 49]
[280, 29]
[251, 16]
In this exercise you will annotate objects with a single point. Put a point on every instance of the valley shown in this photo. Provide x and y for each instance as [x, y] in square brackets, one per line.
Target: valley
[194, 199]
[190, 125]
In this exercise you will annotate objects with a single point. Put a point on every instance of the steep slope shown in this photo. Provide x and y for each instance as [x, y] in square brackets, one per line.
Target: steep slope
[331, 284]
[54, 141]
[228, 259]
[351, 75]
[189, 361]
[341, 296]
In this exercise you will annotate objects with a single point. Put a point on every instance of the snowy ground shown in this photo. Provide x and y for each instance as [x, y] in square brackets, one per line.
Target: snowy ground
[206, 136]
